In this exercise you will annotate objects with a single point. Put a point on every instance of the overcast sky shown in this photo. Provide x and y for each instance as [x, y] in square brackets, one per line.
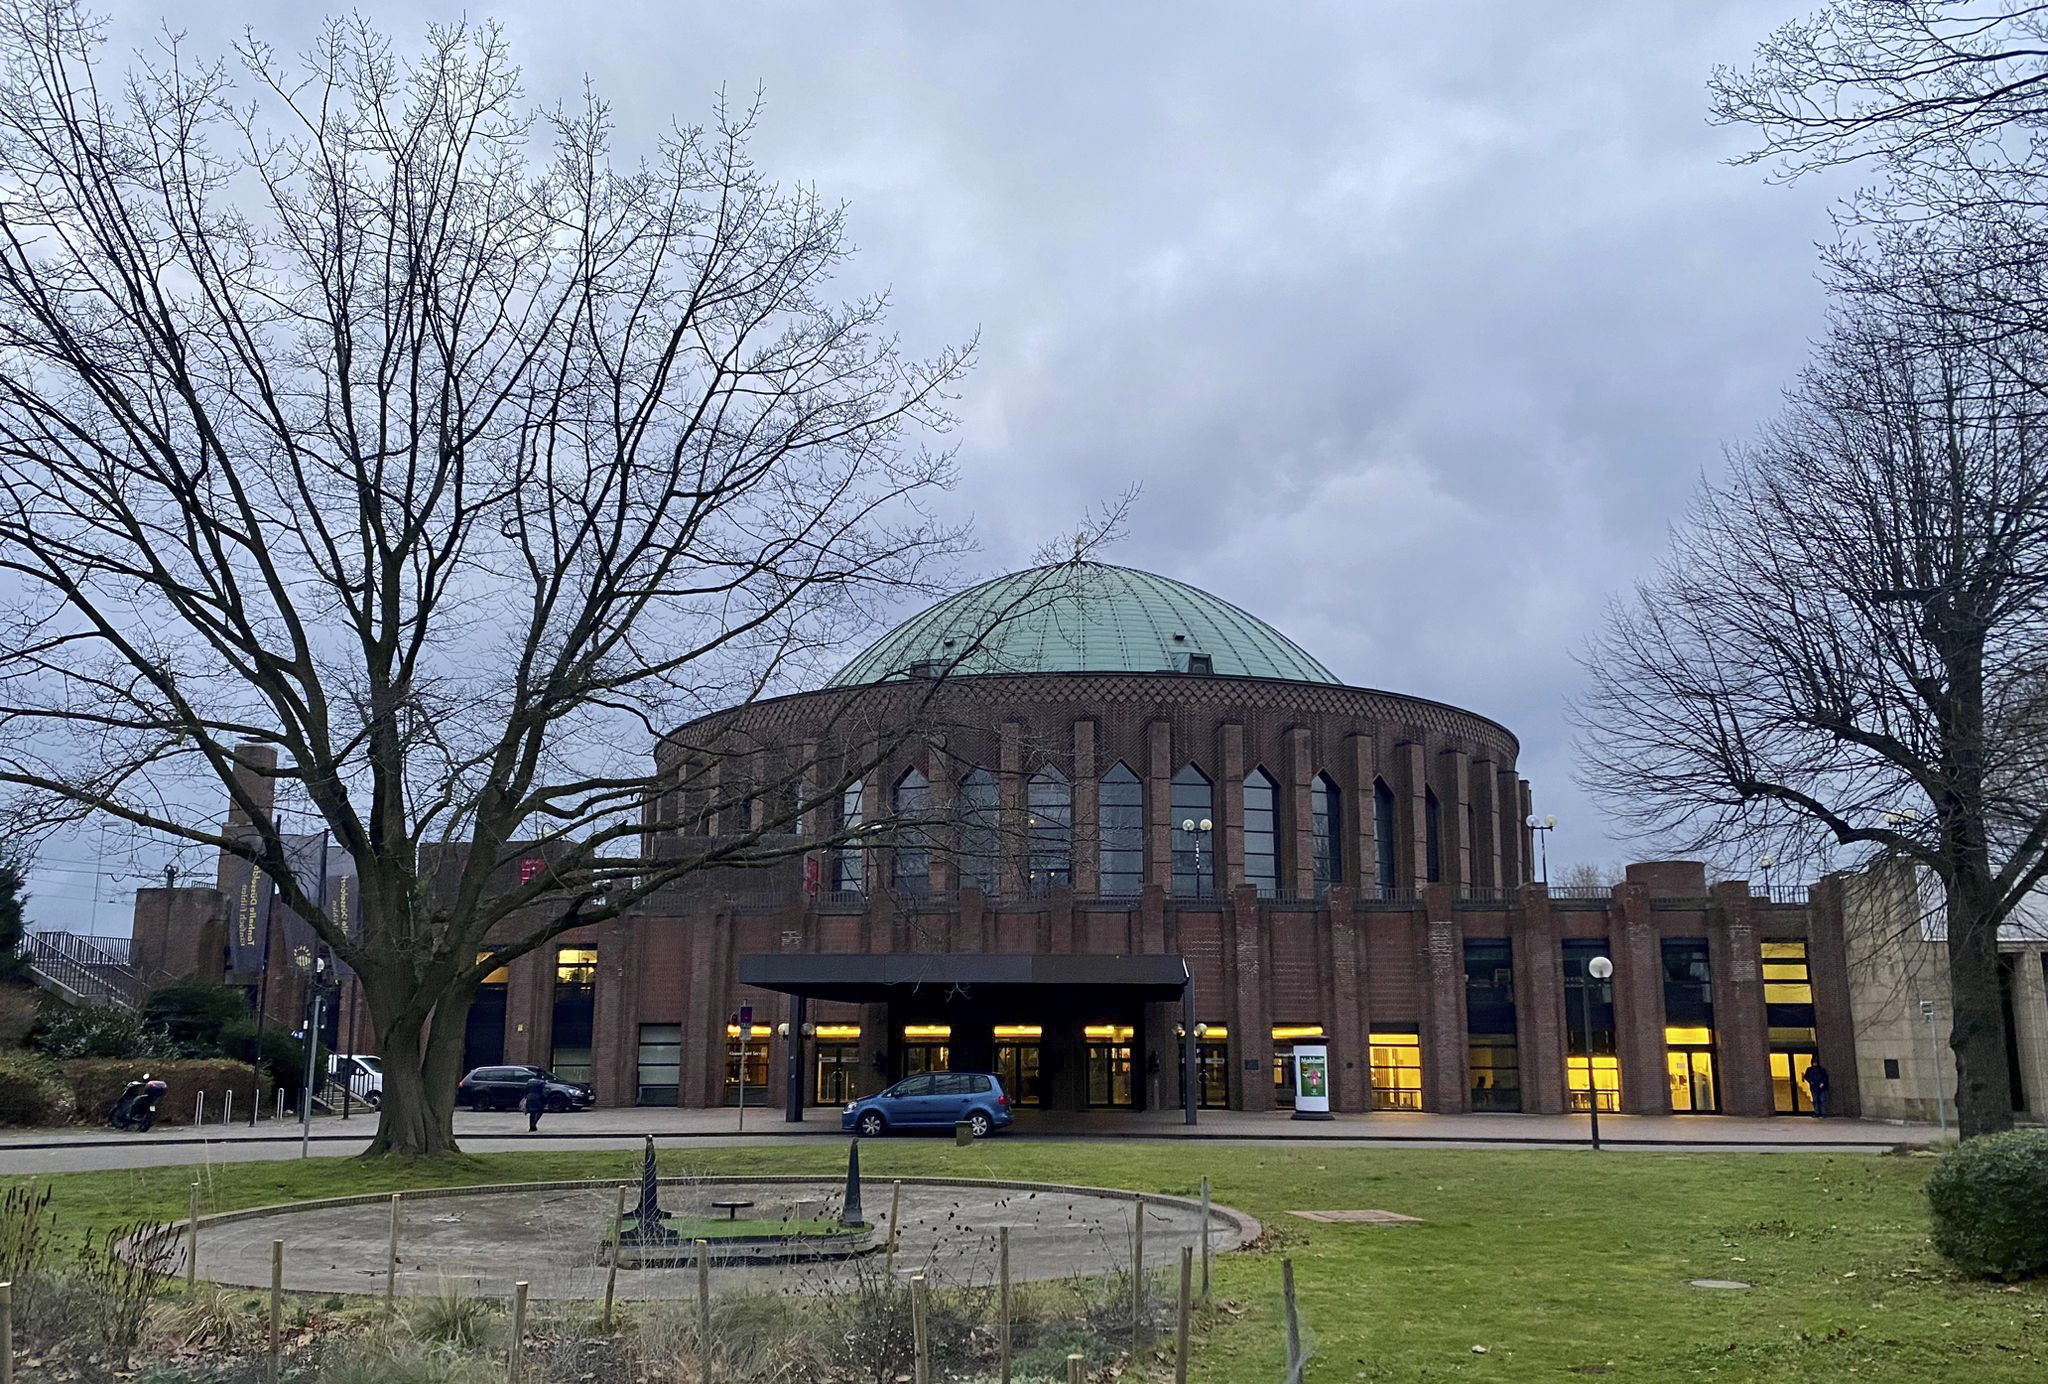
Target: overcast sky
[1417, 324]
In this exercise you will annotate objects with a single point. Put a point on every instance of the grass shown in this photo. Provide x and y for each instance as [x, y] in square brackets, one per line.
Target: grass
[1560, 1263]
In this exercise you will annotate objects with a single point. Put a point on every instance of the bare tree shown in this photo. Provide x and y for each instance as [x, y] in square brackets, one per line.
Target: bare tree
[1946, 102]
[1587, 877]
[1841, 656]
[351, 410]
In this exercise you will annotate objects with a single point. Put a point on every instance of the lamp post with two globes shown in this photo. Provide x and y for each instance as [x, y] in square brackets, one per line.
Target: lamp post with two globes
[1541, 827]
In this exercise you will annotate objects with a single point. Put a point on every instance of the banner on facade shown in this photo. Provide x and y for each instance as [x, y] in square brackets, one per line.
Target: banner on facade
[345, 912]
[307, 857]
[249, 895]
[1311, 1082]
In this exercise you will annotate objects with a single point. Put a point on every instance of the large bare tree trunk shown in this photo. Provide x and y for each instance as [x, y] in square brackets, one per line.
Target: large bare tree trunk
[1984, 1085]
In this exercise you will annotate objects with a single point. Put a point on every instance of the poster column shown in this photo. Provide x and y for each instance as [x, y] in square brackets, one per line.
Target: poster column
[1312, 1082]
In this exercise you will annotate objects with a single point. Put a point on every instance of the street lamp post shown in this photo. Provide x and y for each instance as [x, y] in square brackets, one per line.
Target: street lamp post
[1599, 968]
[1541, 827]
[1199, 831]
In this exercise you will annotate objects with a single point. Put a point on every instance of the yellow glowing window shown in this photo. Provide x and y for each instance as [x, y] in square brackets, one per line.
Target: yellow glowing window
[1396, 1071]
[1606, 1079]
[1293, 1033]
[576, 965]
[925, 1033]
[1110, 1033]
[1788, 994]
[1217, 1033]
[1689, 1037]
[1019, 1033]
[838, 1033]
[1785, 951]
[760, 1032]
[501, 976]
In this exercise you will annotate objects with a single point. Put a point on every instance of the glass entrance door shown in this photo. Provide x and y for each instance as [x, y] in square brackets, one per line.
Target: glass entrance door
[1109, 1074]
[1017, 1067]
[1788, 1093]
[838, 1073]
[1690, 1072]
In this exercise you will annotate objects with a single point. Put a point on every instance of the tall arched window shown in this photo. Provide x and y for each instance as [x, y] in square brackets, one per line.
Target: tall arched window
[846, 860]
[1050, 808]
[980, 816]
[1194, 851]
[1326, 830]
[1383, 833]
[1432, 836]
[1261, 841]
[1122, 810]
[912, 809]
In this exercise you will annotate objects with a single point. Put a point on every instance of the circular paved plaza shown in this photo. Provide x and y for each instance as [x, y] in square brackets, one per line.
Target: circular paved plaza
[480, 1243]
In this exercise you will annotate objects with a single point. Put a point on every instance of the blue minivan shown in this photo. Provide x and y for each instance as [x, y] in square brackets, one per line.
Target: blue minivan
[931, 1100]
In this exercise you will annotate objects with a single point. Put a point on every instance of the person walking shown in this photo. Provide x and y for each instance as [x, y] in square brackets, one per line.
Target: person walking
[1816, 1079]
[536, 1103]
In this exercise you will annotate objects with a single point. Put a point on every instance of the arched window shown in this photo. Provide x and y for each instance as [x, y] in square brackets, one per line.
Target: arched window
[1326, 830]
[912, 810]
[1194, 851]
[1122, 807]
[1050, 808]
[1261, 841]
[846, 860]
[1432, 836]
[980, 816]
[1383, 833]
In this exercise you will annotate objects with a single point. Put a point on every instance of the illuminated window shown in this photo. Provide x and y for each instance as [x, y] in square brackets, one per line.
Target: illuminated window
[980, 813]
[1050, 808]
[500, 975]
[1261, 849]
[1689, 1069]
[1396, 1071]
[575, 966]
[838, 1063]
[927, 1048]
[1194, 849]
[1285, 1036]
[1606, 1079]
[1493, 1059]
[1326, 821]
[1787, 981]
[1122, 800]
[746, 1066]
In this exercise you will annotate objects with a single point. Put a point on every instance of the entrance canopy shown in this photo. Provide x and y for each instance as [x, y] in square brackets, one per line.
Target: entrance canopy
[863, 976]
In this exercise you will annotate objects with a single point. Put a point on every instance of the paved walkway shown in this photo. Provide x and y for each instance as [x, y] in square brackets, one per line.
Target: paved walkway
[73, 1149]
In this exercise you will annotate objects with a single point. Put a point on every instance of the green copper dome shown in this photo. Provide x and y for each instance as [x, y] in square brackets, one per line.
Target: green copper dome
[1083, 617]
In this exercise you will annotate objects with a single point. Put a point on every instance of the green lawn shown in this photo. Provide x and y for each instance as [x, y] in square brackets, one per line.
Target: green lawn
[1562, 1264]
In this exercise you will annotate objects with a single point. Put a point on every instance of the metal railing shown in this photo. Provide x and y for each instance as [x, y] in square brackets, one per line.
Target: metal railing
[1780, 893]
[83, 967]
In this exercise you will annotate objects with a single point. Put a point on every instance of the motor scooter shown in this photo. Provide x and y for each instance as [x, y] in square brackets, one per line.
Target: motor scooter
[136, 1109]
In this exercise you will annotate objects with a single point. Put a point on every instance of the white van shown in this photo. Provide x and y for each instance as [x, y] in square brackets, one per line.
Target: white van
[363, 1073]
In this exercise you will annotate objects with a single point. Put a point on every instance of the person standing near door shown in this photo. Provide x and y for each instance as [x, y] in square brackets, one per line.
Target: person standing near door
[536, 1103]
[1816, 1079]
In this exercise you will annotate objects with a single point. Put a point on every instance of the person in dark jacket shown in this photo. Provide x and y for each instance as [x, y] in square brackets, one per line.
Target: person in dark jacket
[1816, 1079]
[536, 1103]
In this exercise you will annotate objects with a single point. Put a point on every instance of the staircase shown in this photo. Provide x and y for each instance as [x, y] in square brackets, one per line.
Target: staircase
[84, 970]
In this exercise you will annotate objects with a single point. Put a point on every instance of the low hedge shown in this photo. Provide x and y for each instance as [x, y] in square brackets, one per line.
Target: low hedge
[97, 1083]
[30, 1093]
[1989, 1199]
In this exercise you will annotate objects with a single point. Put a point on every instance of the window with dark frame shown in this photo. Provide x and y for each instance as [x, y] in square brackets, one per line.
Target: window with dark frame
[1121, 808]
[1261, 839]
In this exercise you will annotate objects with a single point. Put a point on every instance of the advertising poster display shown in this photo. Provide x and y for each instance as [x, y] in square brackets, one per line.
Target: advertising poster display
[1311, 1082]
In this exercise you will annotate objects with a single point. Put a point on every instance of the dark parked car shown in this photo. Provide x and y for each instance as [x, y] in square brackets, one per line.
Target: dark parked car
[503, 1088]
[932, 1100]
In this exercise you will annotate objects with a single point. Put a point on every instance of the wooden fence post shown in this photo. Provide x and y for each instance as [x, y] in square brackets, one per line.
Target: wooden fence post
[1073, 1369]
[921, 1368]
[1205, 1241]
[611, 1274]
[6, 1333]
[1180, 1331]
[1138, 1279]
[1293, 1321]
[889, 1248]
[192, 1242]
[391, 1258]
[1003, 1301]
[275, 1363]
[516, 1357]
[704, 1306]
